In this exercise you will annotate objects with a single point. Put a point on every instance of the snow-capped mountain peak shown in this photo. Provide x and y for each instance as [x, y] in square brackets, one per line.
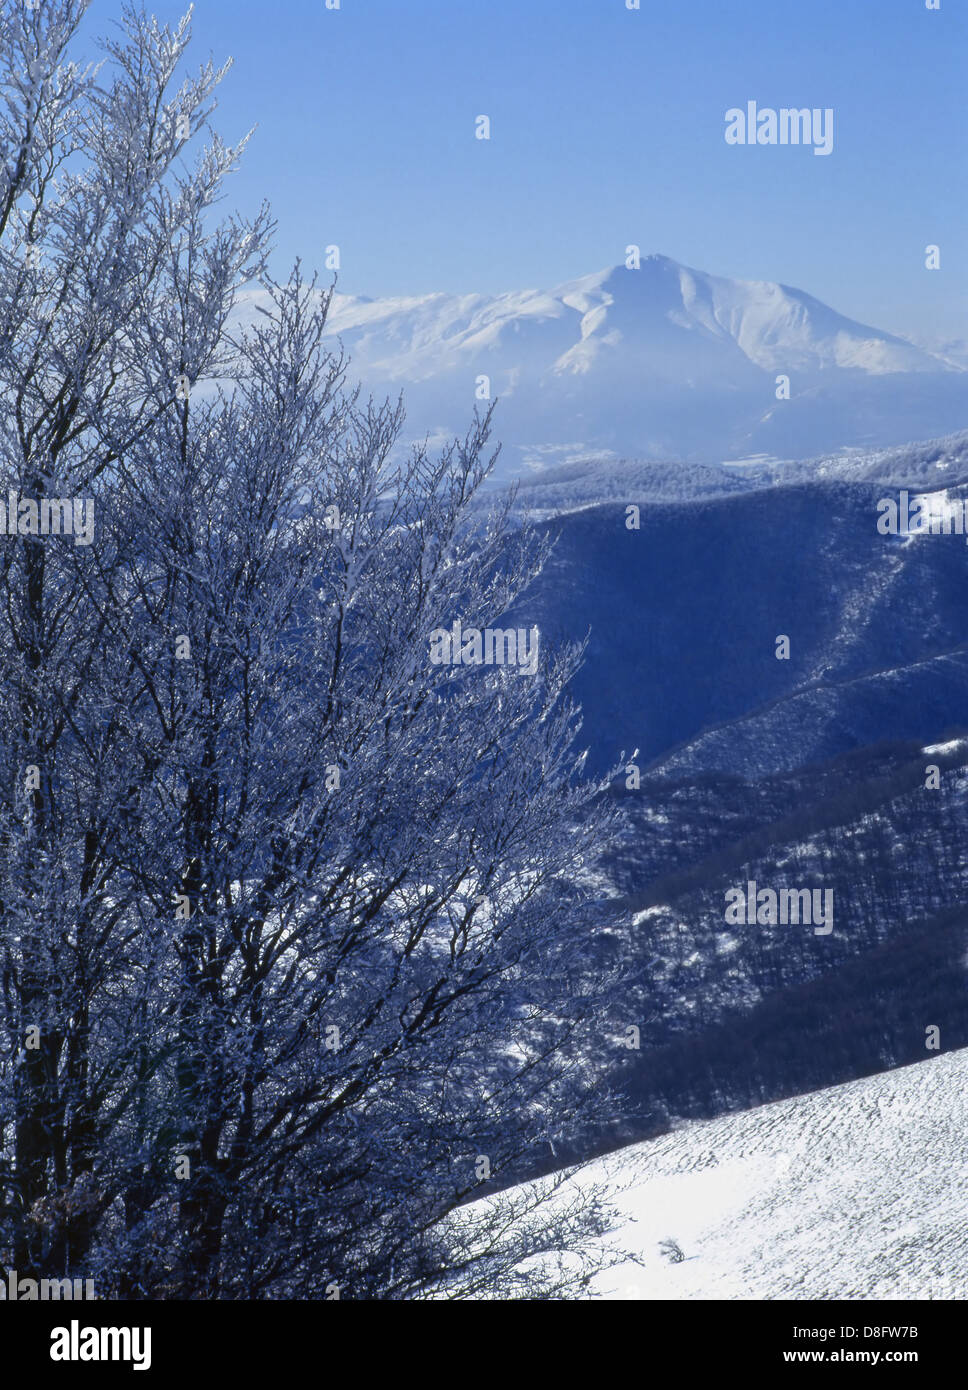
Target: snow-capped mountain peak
[621, 311]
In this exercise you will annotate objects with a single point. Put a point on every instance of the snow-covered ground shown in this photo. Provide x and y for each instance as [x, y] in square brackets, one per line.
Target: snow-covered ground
[859, 1191]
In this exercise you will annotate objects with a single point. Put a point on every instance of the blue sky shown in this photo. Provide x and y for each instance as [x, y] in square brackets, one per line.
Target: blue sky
[607, 128]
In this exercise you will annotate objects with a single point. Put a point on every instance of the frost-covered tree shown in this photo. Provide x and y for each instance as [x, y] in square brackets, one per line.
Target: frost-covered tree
[298, 930]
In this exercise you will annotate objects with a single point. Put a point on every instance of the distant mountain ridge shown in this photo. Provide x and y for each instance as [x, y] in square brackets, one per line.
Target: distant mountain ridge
[773, 326]
[661, 361]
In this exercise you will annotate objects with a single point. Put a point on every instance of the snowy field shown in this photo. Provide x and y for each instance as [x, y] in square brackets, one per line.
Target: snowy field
[859, 1191]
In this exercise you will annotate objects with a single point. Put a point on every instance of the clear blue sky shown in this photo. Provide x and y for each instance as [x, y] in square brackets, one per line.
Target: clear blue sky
[607, 128]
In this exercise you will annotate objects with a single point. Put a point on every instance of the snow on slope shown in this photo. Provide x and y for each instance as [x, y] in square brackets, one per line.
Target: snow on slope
[859, 1191]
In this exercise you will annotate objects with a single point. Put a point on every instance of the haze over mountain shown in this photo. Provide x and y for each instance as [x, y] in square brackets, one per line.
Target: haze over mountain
[663, 361]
